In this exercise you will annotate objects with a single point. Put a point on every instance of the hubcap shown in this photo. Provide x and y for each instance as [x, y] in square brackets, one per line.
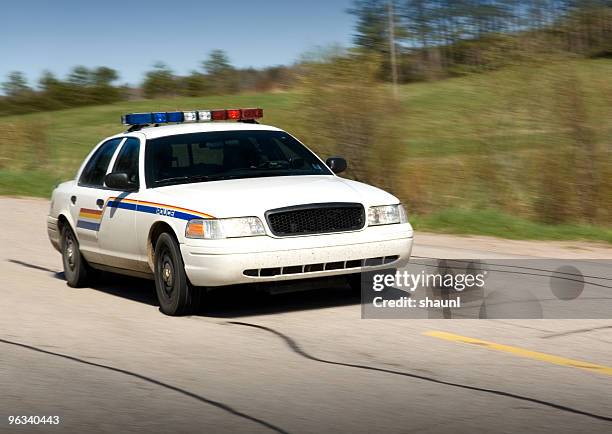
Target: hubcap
[166, 271]
[167, 274]
[70, 252]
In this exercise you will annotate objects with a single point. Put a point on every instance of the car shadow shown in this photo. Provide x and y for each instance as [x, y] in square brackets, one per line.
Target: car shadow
[227, 302]
[239, 301]
[130, 288]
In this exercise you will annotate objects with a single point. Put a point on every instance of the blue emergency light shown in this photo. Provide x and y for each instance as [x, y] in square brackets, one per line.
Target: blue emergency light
[138, 119]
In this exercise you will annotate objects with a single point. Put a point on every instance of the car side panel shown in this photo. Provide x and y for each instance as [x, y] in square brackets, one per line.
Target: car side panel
[118, 240]
[149, 214]
[60, 207]
[56, 210]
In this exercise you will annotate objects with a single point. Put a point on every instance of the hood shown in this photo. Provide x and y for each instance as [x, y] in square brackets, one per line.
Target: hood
[255, 196]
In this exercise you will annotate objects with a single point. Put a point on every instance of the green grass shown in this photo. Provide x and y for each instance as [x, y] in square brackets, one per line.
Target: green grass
[502, 116]
[31, 183]
[498, 224]
[507, 110]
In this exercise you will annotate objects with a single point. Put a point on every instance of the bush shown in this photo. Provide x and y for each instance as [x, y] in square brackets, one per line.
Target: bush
[350, 113]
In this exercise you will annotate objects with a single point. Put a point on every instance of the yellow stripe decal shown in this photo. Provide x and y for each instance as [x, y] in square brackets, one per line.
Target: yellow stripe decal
[562, 361]
[91, 216]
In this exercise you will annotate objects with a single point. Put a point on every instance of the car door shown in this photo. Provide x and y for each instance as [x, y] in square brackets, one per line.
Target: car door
[117, 237]
[88, 199]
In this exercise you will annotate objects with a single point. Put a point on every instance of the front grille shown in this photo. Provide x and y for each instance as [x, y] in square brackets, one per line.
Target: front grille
[318, 218]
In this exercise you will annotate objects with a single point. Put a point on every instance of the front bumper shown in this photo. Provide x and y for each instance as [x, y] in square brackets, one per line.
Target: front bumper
[53, 232]
[267, 259]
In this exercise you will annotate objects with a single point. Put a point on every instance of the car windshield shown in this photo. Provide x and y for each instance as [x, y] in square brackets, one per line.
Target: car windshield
[213, 156]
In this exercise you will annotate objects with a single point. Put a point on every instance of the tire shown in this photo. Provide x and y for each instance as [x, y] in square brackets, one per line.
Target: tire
[76, 270]
[175, 294]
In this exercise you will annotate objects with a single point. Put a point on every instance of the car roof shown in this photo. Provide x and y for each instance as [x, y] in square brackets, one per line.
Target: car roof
[201, 127]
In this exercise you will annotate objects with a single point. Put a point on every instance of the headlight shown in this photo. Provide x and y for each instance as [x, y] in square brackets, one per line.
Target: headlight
[387, 215]
[214, 229]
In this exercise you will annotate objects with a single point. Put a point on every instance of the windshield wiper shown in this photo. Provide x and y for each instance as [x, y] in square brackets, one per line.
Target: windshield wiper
[170, 180]
[242, 174]
[274, 164]
[185, 179]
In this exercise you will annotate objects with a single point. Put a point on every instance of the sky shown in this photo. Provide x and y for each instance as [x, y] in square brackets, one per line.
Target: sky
[130, 36]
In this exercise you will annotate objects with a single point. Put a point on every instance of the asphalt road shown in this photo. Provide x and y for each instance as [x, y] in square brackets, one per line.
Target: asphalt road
[104, 359]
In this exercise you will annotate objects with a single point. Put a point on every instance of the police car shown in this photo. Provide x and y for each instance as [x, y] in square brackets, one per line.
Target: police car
[194, 203]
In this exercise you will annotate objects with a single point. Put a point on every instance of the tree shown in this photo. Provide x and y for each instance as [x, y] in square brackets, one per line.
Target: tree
[102, 90]
[195, 84]
[334, 91]
[80, 76]
[222, 76]
[48, 81]
[103, 76]
[418, 18]
[82, 86]
[589, 27]
[372, 25]
[159, 82]
[217, 63]
[16, 84]
[54, 93]
[378, 24]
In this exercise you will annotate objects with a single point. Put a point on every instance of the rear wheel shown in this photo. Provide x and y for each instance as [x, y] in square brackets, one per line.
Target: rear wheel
[76, 269]
[175, 294]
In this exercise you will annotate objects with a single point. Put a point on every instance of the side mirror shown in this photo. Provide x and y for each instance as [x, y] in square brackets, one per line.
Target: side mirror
[119, 181]
[336, 164]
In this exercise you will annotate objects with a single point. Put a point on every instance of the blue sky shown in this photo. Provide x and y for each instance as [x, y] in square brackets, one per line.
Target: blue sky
[131, 35]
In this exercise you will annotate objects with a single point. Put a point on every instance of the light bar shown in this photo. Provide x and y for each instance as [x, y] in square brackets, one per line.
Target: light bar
[246, 114]
[218, 115]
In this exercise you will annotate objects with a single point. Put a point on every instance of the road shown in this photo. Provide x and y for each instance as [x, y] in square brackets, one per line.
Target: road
[104, 359]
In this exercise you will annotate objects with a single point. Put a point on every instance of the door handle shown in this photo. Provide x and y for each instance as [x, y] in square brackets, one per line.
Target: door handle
[100, 203]
[73, 199]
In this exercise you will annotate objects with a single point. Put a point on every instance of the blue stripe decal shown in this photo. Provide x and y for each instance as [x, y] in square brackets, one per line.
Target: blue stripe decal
[88, 225]
[153, 210]
[122, 205]
[167, 212]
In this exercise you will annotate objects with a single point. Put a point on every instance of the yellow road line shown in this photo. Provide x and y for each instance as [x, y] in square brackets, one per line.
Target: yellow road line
[601, 369]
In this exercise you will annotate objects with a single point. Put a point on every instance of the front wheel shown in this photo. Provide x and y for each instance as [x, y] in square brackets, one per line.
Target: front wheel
[175, 294]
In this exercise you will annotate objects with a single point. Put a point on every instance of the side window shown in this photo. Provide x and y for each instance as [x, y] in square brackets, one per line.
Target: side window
[127, 160]
[95, 170]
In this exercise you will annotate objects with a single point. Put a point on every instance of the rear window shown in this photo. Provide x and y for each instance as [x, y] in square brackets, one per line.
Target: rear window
[211, 156]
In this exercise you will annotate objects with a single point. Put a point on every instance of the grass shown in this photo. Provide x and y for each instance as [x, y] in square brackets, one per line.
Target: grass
[495, 223]
[509, 110]
[31, 183]
[503, 117]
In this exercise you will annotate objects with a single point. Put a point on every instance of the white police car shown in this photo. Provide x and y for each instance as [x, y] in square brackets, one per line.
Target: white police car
[196, 203]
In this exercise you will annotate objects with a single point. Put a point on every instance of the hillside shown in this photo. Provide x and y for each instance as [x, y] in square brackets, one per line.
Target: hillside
[469, 143]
